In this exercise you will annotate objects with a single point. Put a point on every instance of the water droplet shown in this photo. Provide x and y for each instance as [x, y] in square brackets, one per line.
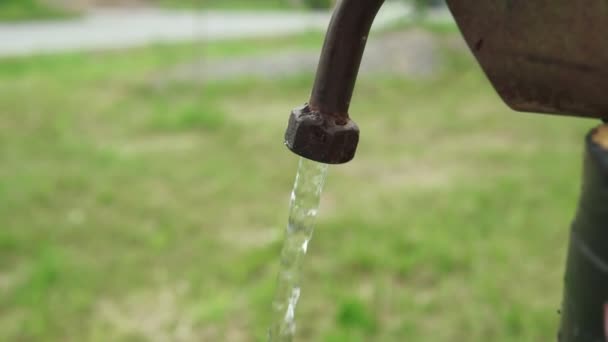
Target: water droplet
[305, 246]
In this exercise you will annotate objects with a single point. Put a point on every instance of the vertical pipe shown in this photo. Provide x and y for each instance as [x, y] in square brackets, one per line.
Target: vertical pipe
[585, 304]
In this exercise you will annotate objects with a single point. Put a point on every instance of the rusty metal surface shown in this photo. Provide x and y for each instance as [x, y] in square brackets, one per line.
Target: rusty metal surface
[548, 56]
[341, 57]
[319, 138]
[326, 115]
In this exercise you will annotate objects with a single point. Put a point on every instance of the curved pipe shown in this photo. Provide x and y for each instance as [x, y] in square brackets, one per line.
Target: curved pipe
[322, 130]
[342, 54]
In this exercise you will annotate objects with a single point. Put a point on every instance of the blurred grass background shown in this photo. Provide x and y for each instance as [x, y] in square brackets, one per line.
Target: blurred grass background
[16, 10]
[19, 10]
[135, 209]
[249, 4]
[229, 4]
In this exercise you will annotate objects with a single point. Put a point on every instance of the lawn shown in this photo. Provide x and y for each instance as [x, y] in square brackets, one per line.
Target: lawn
[18, 10]
[23, 10]
[228, 4]
[140, 210]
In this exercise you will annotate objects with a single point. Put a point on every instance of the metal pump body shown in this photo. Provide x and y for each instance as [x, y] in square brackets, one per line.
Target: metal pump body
[546, 56]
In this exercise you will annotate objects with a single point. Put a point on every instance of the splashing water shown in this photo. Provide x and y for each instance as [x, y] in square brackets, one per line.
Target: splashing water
[303, 210]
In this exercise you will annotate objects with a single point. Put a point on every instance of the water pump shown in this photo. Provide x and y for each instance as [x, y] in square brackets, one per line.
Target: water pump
[541, 56]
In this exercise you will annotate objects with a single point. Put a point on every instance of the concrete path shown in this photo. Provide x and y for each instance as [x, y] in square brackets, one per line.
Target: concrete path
[113, 28]
[411, 53]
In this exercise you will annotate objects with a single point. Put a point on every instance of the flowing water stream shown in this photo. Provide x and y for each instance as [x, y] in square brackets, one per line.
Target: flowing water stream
[303, 210]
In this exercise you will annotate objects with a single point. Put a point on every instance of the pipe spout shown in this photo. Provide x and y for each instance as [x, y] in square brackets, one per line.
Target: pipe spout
[322, 130]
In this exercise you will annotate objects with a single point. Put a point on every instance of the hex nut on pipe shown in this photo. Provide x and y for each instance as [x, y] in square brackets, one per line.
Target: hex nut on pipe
[321, 138]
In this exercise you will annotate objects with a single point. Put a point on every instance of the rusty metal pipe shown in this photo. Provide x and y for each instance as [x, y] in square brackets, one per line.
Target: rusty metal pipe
[342, 53]
[322, 130]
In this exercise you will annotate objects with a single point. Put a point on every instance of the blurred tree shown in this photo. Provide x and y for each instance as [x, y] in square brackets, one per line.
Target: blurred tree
[313, 4]
[318, 4]
[421, 7]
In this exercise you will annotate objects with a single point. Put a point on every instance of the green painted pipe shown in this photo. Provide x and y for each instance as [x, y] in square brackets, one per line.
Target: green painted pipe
[585, 304]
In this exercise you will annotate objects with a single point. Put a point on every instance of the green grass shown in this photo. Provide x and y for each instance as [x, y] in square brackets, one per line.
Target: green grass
[17, 10]
[135, 210]
[227, 4]
[245, 4]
